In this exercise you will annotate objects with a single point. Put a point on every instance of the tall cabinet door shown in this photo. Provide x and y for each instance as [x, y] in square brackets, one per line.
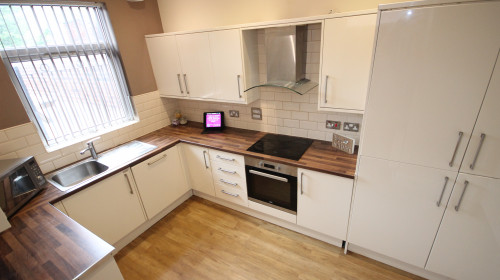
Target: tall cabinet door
[199, 170]
[467, 245]
[161, 181]
[194, 52]
[347, 56]
[482, 156]
[166, 65]
[227, 64]
[396, 211]
[431, 71]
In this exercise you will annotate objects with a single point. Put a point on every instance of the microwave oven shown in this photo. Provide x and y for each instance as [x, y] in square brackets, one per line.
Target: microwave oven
[20, 180]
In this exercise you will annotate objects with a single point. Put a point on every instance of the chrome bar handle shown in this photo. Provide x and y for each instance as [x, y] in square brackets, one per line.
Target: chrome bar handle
[301, 183]
[129, 184]
[227, 171]
[466, 183]
[228, 193]
[229, 183]
[239, 90]
[477, 152]
[282, 179]
[442, 192]
[205, 159]
[179, 80]
[223, 158]
[186, 84]
[460, 134]
[326, 86]
[155, 161]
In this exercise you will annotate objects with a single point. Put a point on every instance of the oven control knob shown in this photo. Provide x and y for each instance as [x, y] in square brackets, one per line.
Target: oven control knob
[261, 164]
[278, 168]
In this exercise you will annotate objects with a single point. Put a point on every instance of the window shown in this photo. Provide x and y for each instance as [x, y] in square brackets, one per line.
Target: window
[65, 64]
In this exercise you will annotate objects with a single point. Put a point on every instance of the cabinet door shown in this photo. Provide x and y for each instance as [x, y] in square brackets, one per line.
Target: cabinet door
[166, 65]
[194, 52]
[160, 180]
[323, 202]
[111, 208]
[429, 79]
[346, 61]
[199, 171]
[395, 210]
[467, 245]
[482, 156]
[227, 64]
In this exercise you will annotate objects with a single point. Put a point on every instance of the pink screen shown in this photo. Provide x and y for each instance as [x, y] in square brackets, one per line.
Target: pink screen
[214, 120]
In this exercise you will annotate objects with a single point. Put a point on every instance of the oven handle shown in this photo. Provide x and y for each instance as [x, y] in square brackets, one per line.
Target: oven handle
[269, 176]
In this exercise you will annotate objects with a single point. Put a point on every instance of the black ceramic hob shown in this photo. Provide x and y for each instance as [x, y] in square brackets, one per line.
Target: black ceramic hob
[281, 146]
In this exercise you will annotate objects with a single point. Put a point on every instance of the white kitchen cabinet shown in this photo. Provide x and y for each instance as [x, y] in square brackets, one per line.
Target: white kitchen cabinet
[467, 245]
[482, 156]
[198, 168]
[323, 202]
[346, 61]
[228, 171]
[428, 82]
[160, 180]
[110, 208]
[225, 46]
[395, 210]
[194, 53]
[166, 65]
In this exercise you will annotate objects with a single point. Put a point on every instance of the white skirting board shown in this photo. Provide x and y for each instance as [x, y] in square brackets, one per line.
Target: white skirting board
[271, 219]
[396, 263]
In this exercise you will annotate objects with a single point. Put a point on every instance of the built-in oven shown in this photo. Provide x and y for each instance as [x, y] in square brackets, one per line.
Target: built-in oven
[272, 184]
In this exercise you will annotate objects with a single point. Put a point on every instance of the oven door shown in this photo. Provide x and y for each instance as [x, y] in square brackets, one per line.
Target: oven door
[272, 189]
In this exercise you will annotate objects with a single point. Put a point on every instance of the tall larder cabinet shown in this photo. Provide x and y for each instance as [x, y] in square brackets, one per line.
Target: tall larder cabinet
[433, 86]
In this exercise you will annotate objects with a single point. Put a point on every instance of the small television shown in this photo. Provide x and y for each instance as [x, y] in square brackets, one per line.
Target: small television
[213, 122]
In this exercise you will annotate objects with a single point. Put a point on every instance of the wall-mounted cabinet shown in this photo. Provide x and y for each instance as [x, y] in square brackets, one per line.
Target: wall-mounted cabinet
[345, 62]
[199, 66]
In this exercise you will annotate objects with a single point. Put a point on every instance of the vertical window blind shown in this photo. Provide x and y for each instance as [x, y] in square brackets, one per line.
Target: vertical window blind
[65, 64]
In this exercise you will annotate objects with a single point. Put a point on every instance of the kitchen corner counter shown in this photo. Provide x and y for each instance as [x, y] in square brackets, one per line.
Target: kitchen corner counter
[44, 243]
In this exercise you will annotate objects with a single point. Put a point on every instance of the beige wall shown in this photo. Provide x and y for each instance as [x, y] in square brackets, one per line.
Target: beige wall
[180, 15]
[130, 21]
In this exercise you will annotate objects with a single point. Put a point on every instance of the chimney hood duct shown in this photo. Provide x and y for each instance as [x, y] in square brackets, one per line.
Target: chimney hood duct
[286, 52]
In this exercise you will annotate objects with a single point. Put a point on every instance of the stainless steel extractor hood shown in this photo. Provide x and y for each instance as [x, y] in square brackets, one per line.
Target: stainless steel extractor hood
[286, 52]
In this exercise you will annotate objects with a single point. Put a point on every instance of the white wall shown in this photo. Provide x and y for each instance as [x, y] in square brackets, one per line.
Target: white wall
[181, 15]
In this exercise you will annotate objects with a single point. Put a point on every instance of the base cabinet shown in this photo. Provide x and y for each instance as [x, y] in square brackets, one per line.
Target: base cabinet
[160, 181]
[110, 209]
[323, 202]
[198, 168]
[467, 245]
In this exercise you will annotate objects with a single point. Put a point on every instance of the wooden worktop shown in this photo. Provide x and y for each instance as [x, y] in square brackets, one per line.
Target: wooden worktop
[43, 243]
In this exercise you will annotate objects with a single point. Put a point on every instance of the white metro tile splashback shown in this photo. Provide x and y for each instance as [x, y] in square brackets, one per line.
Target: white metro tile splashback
[23, 140]
[283, 111]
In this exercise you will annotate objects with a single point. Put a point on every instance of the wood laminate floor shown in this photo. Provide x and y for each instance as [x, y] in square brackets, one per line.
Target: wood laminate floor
[203, 240]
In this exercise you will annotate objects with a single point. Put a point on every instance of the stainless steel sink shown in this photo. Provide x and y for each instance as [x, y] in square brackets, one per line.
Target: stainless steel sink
[80, 172]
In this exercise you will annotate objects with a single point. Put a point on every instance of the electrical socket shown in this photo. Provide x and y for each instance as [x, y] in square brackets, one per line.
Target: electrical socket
[256, 113]
[333, 124]
[234, 113]
[351, 126]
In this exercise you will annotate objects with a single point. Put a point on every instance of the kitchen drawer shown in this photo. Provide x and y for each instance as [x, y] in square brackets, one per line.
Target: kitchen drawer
[231, 194]
[231, 174]
[227, 158]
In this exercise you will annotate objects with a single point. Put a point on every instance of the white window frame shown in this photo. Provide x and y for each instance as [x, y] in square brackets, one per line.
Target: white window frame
[113, 55]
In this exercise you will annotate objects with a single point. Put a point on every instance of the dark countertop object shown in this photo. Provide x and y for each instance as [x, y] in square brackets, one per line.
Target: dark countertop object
[43, 243]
